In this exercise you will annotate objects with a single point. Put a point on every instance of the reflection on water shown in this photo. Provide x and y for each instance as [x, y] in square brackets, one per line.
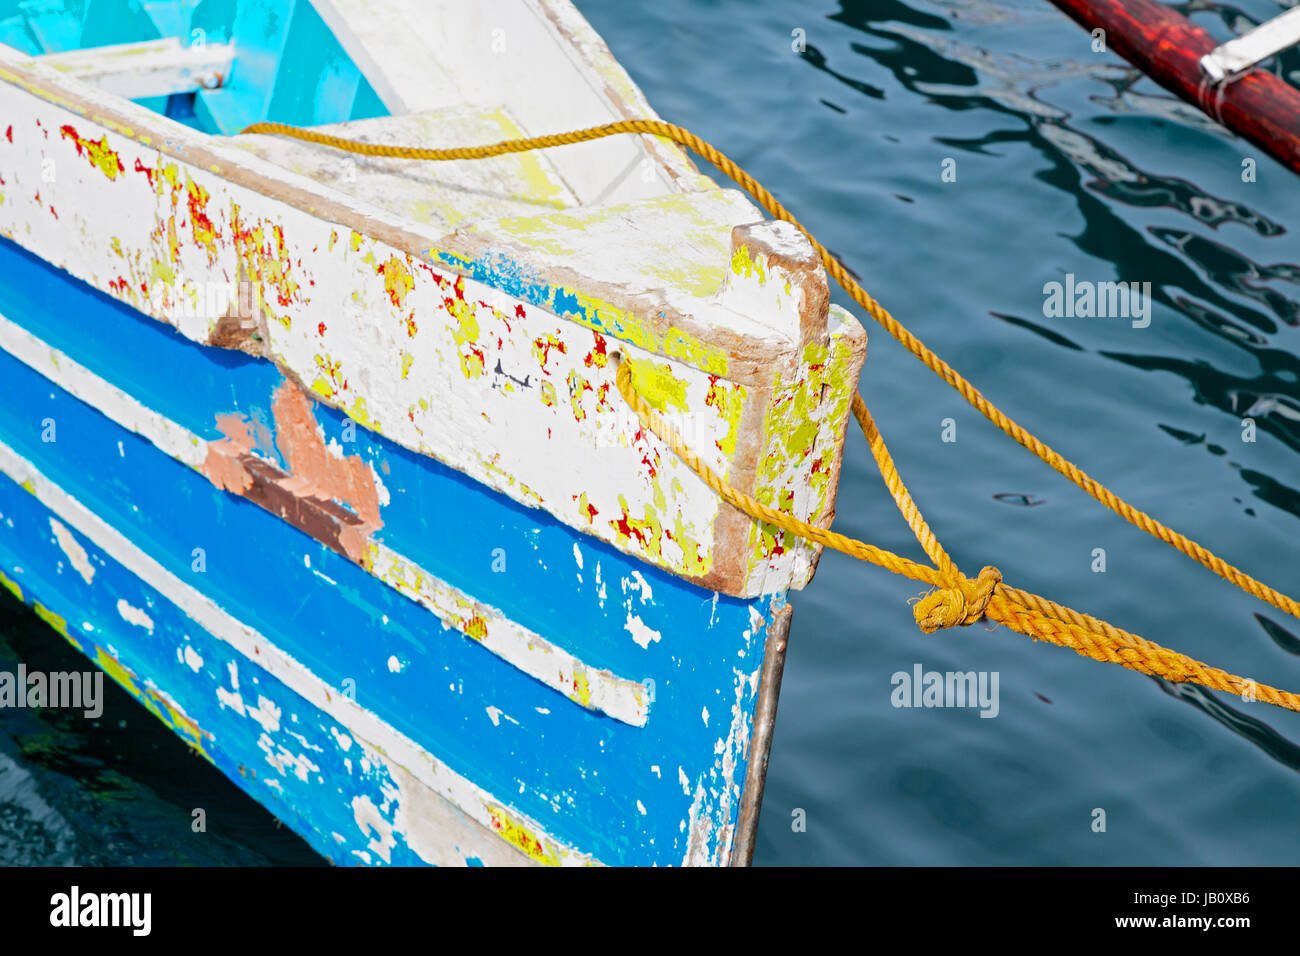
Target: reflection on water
[1282, 637]
[1199, 277]
[31, 831]
[1255, 731]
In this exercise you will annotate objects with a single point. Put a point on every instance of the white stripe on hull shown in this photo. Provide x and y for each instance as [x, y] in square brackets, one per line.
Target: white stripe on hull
[428, 770]
[618, 697]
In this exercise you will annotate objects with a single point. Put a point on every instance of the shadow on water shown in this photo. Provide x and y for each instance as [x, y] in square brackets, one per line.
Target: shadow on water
[1284, 751]
[120, 789]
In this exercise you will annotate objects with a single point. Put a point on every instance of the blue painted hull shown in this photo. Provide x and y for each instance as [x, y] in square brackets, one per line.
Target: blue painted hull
[560, 782]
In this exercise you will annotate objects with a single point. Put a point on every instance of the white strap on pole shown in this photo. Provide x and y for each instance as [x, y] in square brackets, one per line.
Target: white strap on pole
[1236, 57]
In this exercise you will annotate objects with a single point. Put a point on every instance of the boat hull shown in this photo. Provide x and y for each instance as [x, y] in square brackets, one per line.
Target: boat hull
[342, 700]
[327, 462]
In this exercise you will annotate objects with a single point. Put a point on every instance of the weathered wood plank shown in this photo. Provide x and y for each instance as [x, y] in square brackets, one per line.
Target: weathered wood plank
[496, 53]
[442, 196]
[142, 70]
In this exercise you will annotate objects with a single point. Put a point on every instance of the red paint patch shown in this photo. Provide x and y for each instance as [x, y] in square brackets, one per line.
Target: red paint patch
[9, 134]
[320, 329]
[519, 311]
[317, 471]
[314, 470]
[437, 276]
[628, 530]
[148, 172]
[97, 153]
[222, 466]
[650, 465]
[398, 281]
[598, 356]
[542, 348]
[205, 233]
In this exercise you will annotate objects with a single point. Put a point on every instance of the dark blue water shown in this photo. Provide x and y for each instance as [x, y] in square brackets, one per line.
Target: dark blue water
[1066, 163]
[121, 790]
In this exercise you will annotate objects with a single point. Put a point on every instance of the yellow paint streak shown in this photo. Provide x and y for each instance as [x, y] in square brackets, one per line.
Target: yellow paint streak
[398, 281]
[520, 837]
[472, 364]
[540, 184]
[743, 265]
[162, 272]
[729, 399]
[55, 621]
[360, 414]
[657, 384]
[99, 154]
[11, 585]
[264, 255]
[169, 172]
[581, 688]
[818, 393]
[180, 722]
[577, 387]
[204, 232]
[465, 333]
[168, 713]
[693, 560]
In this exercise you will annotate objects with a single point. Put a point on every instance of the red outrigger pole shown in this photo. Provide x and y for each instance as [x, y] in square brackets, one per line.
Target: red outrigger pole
[1167, 47]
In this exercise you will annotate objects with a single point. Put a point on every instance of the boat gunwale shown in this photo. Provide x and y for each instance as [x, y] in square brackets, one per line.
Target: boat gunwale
[649, 326]
[750, 355]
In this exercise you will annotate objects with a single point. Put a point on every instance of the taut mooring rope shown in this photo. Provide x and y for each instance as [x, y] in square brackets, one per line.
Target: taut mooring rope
[957, 600]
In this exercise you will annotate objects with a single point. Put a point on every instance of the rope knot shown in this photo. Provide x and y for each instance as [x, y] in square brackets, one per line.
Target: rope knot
[960, 605]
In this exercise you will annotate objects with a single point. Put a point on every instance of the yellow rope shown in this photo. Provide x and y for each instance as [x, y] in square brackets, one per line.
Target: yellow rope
[956, 600]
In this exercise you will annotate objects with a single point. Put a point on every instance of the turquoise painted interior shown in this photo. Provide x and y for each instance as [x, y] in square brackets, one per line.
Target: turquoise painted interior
[288, 66]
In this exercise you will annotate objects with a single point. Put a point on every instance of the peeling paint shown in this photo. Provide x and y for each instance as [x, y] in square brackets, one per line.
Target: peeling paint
[73, 549]
[134, 615]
